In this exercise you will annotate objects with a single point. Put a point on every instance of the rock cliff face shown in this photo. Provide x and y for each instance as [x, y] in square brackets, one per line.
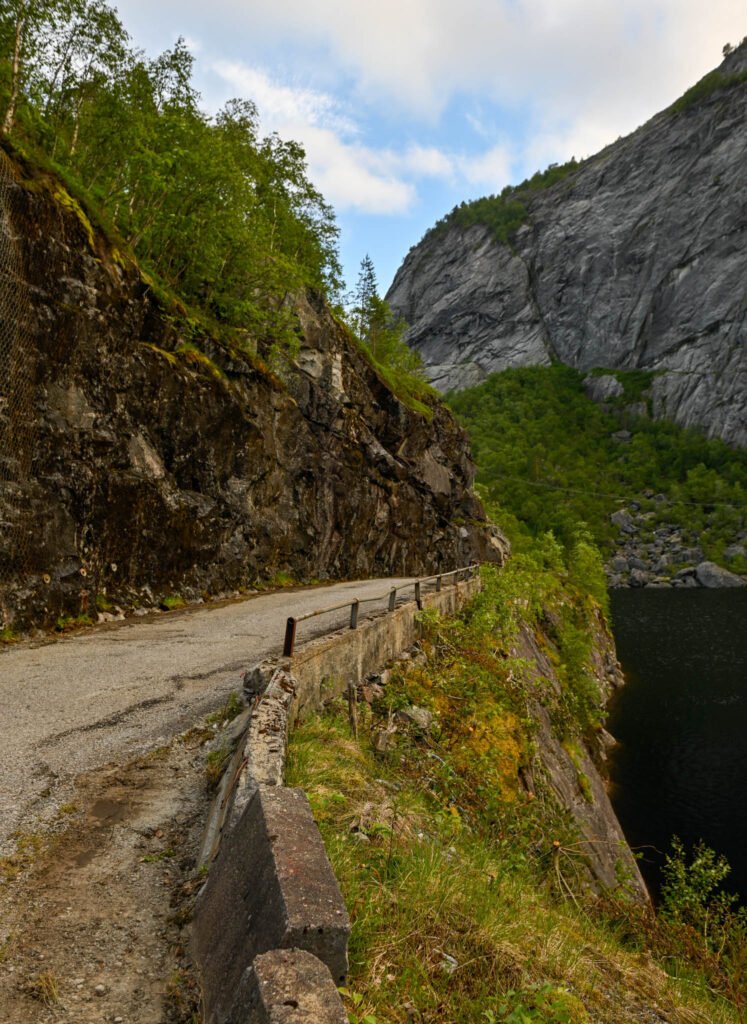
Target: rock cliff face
[577, 771]
[638, 259]
[134, 464]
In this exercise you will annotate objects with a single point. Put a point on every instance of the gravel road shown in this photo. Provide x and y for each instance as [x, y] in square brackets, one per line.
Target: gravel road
[82, 701]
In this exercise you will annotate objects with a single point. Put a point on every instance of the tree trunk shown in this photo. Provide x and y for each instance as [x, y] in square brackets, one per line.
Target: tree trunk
[15, 78]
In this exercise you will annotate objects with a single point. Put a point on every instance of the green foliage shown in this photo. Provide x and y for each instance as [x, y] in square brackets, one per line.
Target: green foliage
[636, 385]
[707, 86]
[226, 218]
[380, 335]
[547, 460]
[215, 763]
[539, 1004]
[693, 895]
[586, 570]
[448, 866]
[504, 213]
[230, 710]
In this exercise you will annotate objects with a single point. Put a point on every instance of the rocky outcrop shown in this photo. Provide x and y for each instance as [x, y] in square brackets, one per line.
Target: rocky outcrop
[576, 769]
[636, 260]
[713, 576]
[140, 456]
[652, 553]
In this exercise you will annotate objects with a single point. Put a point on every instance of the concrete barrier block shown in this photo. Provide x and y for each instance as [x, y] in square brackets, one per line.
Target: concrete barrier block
[287, 986]
[270, 887]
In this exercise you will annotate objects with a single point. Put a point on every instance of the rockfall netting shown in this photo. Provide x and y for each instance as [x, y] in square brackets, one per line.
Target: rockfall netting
[16, 393]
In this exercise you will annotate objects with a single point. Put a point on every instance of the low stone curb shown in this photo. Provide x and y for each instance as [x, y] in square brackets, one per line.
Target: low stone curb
[265, 742]
[271, 915]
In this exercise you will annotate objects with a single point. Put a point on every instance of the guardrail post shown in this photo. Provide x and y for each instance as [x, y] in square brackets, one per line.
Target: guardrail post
[354, 614]
[438, 584]
[392, 598]
[290, 638]
[418, 598]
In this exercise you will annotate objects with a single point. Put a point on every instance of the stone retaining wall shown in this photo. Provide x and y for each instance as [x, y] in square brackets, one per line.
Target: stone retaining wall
[324, 668]
[270, 931]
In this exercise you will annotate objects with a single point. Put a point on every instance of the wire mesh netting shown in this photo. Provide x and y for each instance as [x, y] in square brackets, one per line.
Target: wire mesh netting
[16, 392]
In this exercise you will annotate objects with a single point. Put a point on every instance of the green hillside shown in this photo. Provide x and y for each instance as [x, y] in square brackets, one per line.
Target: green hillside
[549, 458]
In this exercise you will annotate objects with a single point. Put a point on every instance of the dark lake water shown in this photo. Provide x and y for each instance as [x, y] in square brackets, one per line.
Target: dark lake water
[681, 722]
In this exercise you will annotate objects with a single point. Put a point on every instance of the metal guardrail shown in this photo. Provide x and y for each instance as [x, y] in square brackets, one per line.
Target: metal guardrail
[467, 572]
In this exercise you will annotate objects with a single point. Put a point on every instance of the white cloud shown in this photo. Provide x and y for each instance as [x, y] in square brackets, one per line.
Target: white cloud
[350, 175]
[586, 70]
[419, 53]
[573, 75]
[428, 162]
[280, 103]
[490, 170]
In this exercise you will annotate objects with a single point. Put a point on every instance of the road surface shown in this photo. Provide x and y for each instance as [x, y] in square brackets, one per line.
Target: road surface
[106, 695]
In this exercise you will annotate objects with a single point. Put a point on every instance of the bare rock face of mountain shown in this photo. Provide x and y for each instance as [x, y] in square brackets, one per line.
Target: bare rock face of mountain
[135, 463]
[636, 260]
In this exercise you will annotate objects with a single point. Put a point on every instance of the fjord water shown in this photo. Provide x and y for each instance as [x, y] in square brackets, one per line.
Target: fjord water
[681, 721]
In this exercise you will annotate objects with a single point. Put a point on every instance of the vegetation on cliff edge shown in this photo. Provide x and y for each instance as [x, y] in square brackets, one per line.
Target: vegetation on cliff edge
[226, 217]
[463, 875]
[224, 222]
[550, 458]
[504, 213]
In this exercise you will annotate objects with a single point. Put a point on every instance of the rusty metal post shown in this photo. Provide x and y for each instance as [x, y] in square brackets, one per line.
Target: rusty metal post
[392, 598]
[290, 638]
[438, 584]
[354, 614]
[418, 597]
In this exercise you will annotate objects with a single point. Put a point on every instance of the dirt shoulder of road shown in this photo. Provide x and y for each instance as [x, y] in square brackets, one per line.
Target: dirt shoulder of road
[94, 911]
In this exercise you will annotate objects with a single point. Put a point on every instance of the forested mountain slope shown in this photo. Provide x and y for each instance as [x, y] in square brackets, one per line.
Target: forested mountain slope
[634, 259]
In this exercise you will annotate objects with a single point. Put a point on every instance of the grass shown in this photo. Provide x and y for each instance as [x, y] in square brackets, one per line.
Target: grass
[171, 602]
[155, 858]
[67, 623]
[449, 926]
[468, 892]
[230, 710]
[28, 846]
[713, 82]
[44, 987]
[8, 635]
[215, 763]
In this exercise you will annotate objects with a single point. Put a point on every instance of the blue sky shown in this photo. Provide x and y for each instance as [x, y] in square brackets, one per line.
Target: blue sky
[407, 107]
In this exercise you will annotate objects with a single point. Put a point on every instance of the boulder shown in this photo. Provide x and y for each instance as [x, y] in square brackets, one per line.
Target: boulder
[602, 388]
[637, 563]
[735, 551]
[710, 575]
[623, 521]
[419, 717]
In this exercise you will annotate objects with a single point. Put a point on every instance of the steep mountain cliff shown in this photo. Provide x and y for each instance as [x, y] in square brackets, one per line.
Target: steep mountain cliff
[139, 455]
[635, 259]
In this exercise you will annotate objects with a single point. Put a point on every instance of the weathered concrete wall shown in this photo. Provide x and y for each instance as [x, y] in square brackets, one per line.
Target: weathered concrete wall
[270, 888]
[324, 668]
[288, 987]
